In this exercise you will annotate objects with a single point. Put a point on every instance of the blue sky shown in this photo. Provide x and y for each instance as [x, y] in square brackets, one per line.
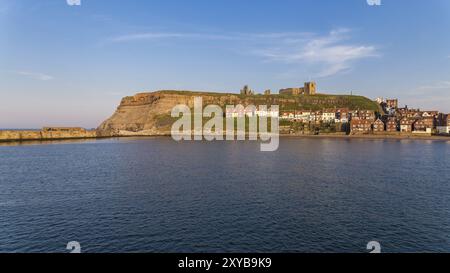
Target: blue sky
[71, 65]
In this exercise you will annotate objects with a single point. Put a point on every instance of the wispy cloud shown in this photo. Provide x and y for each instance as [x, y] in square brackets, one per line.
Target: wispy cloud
[434, 96]
[328, 54]
[168, 35]
[437, 85]
[34, 75]
[244, 37]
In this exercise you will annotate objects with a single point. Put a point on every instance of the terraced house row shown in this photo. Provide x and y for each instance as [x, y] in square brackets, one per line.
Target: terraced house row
[392, 120]
[340, 115]
[402, 121]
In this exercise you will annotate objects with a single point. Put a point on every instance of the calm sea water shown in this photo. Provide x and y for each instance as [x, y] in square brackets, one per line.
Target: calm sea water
[156, 195]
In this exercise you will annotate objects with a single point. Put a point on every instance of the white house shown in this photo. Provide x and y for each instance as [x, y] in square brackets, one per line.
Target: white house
[268, 113]
[443, 129]
[238, 112]
[380, 100]
[328, 116]
[303, 116]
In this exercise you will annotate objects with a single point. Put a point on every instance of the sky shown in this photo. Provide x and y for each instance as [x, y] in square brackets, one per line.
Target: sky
[69, 65]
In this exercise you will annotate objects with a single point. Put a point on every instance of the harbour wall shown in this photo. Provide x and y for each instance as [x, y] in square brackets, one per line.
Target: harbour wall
[23, 135]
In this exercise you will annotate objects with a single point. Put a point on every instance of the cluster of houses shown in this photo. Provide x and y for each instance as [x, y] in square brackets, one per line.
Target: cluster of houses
[342, 115]
[237, 112]
[412, 121]
[393, 120]
[396, 120]
[402, 120]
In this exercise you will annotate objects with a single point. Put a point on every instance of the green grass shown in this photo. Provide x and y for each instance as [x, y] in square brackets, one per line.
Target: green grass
[299, 102]
[166, 120]
[285, 102]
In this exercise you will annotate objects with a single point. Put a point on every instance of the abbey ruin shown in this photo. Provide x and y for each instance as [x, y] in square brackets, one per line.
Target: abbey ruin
[308, 89]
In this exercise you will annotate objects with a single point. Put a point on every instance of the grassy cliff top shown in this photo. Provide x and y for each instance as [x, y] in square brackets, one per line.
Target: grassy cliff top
[294, 102]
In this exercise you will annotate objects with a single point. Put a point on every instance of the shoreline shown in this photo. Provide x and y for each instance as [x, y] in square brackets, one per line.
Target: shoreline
[397, 137]
[322, 136]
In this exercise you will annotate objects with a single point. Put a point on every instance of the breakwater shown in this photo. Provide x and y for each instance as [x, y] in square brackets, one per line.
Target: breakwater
[47, 133]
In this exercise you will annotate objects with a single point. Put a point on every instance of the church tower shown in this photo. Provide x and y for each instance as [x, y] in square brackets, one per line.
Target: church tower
[310, 88]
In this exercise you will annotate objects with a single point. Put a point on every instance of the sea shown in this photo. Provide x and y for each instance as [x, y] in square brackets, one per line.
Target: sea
[157, 195]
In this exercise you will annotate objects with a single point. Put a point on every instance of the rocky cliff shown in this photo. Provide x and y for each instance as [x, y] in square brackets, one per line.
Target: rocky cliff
[146, 114]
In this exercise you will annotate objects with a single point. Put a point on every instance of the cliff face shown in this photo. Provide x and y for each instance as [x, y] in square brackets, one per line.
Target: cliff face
[147, 114]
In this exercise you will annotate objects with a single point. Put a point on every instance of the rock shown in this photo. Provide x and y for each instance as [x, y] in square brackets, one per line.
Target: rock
[148, 114]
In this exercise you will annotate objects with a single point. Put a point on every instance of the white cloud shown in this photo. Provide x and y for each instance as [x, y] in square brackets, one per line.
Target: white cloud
[329, 54]
[244, 37]
[168, 35]
[33, 75]
[434, 86]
